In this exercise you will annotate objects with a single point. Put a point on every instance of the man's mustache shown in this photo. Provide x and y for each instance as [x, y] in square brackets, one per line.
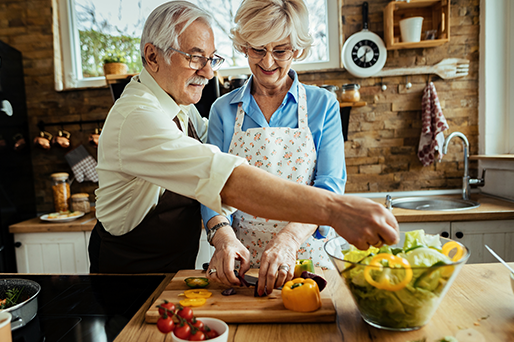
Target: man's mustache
[197, 80]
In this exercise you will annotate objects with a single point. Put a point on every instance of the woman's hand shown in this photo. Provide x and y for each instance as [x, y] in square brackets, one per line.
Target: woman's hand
[228, 250]
[281, 250]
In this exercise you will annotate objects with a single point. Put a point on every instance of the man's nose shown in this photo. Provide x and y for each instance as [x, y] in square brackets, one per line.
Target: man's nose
[206, 71]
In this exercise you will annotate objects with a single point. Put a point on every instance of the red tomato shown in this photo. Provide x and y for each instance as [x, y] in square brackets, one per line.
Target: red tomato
[183, 331]
[198, 336]
[165, 325]
[211, 334]
[167, 305]
[197, 324]
[186, 313]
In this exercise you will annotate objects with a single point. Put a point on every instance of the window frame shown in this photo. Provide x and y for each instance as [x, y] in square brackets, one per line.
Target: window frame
[70, 51]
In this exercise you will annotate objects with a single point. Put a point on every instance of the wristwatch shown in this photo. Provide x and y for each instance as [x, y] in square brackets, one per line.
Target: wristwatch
[213, 230]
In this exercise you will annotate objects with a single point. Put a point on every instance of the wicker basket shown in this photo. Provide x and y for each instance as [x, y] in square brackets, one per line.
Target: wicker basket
[115, 68]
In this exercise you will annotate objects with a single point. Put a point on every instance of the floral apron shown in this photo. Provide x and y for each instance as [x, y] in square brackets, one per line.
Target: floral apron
[290, 154]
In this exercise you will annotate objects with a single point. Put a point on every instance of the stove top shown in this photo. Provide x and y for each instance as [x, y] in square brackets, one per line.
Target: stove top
[85, 308]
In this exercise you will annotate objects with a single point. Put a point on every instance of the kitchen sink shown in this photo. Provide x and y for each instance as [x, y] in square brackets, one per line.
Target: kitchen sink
[433, 203]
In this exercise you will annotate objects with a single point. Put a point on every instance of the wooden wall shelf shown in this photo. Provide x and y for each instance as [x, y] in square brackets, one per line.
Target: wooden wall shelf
[352, 104]
[436, 14]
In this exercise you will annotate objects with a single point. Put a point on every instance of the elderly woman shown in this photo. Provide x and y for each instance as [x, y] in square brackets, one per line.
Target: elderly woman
[281, 126]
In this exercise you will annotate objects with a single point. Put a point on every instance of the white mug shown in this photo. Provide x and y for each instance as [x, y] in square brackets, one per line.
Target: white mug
[5, 326]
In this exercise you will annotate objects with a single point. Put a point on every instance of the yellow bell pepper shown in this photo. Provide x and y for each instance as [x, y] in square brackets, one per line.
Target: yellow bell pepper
[198, 293]
[449, 246]
[385, 281]
[301, 295]
[303, 265]
[193, 301]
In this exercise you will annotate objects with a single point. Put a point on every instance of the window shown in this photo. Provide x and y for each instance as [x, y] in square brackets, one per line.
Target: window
[92, 29]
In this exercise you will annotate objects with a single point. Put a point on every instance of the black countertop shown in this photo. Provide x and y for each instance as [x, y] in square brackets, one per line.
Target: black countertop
[84, 307]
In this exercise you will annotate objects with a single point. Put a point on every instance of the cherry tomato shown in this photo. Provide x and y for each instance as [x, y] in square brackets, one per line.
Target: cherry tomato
[166, 305]
[183, 331]
[197, 336]
[186, 313]
[211, 334]
[165, 324]
[197, 324]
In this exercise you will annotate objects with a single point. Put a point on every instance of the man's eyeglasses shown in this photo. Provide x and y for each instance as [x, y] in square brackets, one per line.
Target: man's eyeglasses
[278, 55]
[199, 62]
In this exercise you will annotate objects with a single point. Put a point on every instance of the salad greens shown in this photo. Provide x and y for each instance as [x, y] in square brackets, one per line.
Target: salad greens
[394, 305]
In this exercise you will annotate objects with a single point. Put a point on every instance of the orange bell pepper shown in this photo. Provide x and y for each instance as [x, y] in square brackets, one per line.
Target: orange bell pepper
[301, 295]
[199, 293]
[193, 301]
[385, 281]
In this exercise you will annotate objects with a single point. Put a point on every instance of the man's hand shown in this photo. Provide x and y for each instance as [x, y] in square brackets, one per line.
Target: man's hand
[228, 250]
[363, 222]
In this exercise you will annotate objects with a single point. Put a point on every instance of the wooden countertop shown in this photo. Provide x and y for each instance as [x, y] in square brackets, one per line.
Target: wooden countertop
[480, 302]
[36, 225]
[490, 208]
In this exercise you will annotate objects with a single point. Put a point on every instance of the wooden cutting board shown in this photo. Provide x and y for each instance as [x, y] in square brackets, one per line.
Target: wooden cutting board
[242, 307]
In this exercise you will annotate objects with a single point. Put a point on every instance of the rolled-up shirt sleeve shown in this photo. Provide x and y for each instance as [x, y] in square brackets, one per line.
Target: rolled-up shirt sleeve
[158, 152]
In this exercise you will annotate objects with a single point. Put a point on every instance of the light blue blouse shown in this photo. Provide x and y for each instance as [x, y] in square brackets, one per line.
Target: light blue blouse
[324, 123]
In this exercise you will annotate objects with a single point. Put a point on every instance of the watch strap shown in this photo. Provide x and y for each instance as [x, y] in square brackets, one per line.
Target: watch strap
[214, 229]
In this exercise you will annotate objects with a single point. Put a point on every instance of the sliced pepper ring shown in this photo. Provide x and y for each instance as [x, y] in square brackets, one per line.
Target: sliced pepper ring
[449, 246]
[193, 301]
[197, 293]
[385, 282]
[197, 282]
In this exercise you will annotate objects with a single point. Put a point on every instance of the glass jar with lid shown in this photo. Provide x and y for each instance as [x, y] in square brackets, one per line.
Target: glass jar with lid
[350, 92]
[80, 202]
[61, 191]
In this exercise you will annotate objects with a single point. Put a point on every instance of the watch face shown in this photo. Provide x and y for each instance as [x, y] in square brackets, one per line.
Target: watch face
[365, 53]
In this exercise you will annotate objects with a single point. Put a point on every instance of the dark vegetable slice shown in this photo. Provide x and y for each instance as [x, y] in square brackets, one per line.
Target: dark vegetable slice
[229, 292]
[241, 279]
[322, 283]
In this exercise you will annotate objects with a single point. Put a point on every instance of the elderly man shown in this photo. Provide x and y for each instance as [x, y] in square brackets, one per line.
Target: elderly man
[153, 169]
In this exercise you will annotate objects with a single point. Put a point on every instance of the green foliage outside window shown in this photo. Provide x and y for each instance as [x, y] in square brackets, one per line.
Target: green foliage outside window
[97, 48]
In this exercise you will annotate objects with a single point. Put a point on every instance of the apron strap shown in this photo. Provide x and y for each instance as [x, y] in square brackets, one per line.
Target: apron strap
[238, 125]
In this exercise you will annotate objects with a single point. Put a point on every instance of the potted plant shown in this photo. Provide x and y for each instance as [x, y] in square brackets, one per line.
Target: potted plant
[114, 64]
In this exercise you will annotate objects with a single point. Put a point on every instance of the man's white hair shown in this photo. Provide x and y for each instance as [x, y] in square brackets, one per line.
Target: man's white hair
[167, 22]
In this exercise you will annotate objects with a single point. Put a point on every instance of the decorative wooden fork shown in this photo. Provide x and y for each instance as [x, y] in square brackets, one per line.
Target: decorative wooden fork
[448, 68]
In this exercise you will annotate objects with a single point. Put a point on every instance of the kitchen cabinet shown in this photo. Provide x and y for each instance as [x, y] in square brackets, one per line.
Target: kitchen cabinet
[52, 252]
[497, 234]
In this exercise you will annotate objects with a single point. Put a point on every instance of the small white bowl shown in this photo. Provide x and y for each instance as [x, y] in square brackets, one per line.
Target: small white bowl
[213, 323]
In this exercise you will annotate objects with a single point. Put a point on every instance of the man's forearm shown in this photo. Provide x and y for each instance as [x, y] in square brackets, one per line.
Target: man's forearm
[261, 194]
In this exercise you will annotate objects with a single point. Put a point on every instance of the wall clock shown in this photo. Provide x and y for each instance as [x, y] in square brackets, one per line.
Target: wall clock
[364, 53]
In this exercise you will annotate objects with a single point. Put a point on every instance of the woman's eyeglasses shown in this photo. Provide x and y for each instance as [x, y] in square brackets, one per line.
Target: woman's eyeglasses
[278, 55]
[199, 62]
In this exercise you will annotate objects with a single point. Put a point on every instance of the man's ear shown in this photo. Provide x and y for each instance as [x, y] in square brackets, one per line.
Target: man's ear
[151, 57]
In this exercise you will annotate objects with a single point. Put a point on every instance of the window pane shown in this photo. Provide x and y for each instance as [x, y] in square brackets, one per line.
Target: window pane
[114, 28]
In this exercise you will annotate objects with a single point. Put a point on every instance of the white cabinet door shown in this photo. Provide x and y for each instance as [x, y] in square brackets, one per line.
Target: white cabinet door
[497, 234]
[51, 252]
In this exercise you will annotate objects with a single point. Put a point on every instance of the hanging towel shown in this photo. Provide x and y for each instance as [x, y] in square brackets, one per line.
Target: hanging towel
[82, 164]
[433, 125]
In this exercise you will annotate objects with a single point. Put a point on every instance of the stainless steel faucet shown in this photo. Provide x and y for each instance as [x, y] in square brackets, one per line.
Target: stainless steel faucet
[466, 181]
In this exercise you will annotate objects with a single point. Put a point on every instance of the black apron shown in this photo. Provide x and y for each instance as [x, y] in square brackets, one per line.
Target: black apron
[166, 241]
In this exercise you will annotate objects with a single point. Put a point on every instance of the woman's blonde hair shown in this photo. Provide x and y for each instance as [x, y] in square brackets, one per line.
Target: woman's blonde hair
[260, 22]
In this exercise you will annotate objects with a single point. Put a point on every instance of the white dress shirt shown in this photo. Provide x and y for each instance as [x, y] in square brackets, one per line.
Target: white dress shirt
[141, 153]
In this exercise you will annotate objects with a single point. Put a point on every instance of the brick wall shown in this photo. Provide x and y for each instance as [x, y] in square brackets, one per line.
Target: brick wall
[383, 136]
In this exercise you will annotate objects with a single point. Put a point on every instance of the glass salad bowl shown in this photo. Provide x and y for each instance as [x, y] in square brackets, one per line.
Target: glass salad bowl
[399, 287]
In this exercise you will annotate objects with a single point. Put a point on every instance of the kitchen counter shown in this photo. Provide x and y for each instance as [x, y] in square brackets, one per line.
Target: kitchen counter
[480, 301]
[490, 208]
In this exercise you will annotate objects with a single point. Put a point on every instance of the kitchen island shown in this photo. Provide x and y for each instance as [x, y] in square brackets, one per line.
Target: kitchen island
[480, 303]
